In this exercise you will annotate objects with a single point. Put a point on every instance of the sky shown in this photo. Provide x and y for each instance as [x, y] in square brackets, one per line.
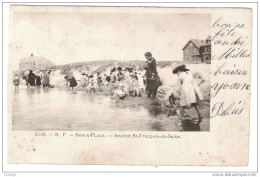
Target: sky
[65, 37]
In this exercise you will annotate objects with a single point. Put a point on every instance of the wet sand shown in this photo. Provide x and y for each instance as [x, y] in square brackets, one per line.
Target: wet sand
[60, 109]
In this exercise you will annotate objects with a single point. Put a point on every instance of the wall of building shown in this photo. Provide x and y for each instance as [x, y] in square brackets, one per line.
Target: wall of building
[189, 51]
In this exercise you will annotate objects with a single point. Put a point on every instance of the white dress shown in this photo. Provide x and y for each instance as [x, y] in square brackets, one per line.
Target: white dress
[195, 86]
[187, 90]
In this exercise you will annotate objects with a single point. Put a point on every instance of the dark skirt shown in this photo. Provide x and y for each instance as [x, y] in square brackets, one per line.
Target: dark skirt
[38, 80]
[73, 82]
[31, 81]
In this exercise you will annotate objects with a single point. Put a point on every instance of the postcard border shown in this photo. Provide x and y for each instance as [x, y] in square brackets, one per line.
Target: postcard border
[123, 165]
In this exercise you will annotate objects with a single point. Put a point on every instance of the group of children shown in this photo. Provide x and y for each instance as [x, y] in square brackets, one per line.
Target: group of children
[127, 82]
[119, 82]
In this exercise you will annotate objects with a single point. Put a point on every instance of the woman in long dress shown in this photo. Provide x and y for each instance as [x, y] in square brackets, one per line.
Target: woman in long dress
[38, 79]
[31, 79]
[190, 92]
[72, 82]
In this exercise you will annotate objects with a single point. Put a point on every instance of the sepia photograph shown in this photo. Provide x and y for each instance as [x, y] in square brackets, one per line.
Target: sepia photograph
[108, 71]
[155, 85]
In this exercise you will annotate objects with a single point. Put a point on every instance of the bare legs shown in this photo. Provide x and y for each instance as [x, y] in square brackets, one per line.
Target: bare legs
[173, 111]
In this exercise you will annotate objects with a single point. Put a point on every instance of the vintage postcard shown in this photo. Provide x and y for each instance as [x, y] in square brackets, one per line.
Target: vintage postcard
[129, 85]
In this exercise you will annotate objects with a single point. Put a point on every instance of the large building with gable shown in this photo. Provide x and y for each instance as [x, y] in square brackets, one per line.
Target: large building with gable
[197, 51]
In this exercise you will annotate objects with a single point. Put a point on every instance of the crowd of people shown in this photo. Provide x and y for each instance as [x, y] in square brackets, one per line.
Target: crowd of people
[121, 82]
[38, 78]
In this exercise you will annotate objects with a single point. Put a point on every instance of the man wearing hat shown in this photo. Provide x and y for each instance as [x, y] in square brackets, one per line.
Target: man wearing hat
[151, 76]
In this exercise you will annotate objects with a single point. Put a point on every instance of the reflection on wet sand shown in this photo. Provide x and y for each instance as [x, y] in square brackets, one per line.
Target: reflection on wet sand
[54, 109]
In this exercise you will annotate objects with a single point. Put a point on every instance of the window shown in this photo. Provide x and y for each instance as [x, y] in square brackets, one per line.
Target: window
[195, 50]
[190, 44]
[186, 51]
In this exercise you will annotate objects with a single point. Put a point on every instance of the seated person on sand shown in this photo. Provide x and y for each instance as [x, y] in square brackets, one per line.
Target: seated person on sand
[120, 91]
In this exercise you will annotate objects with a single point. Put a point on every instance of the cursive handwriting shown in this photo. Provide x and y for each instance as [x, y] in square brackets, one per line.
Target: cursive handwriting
[233, 53]
[221, 109]
[217, 87]
[226, 71]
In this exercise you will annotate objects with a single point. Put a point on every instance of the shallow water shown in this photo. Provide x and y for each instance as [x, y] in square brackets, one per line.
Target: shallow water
[56, 109]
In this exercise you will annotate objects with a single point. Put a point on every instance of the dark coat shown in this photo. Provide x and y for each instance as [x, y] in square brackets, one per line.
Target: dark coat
[151, 68]
[152, 78]
[31, 79]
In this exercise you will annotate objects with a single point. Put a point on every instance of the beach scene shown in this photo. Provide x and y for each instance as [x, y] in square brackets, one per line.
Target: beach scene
[110, 72]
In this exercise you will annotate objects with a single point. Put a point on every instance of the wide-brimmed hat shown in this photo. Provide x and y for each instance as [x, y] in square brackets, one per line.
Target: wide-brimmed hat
[91, 75]
[83, 73]
[119, 68]
[66, 77]
[179, 68]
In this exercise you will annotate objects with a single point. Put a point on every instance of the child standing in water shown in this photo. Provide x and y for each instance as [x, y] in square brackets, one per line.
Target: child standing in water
[92, 84]
[83, 80]
[99, 82]
[16, 81]
[190, 93]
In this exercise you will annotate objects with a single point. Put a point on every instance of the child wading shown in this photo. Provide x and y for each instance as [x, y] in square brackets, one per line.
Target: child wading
[92, 84]
[16, 81]
[99, 82]
[190, 92]
[83, 80]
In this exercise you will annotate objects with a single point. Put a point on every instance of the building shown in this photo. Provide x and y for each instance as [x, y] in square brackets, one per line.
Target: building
[35, 63]
[197, 51]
